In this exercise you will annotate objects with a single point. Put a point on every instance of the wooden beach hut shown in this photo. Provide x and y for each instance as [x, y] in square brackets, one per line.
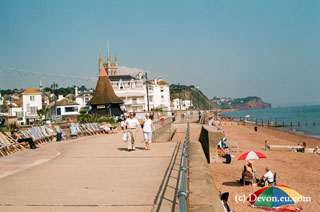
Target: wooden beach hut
[105, 101]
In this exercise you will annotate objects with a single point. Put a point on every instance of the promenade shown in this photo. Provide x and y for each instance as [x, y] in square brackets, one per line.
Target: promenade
[87, 174]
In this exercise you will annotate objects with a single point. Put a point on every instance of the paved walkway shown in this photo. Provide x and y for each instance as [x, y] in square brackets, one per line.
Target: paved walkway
[88, 174]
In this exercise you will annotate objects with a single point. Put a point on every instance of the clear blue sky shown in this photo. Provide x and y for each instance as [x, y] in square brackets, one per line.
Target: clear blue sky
[235, 48]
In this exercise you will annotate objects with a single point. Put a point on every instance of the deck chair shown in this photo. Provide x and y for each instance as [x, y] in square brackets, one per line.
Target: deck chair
[5, 148]
[10, 144]
[85, 128]
[41, 134]
[247, 177]
[22, 145]
[63, 134]
[73, 132]
[37, 138]
[78, 130]
[46, 133]
[96, 128]
[89, 127]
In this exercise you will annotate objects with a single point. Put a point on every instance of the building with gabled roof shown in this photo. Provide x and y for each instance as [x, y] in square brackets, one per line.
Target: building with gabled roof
[105, 101]
[31, 102]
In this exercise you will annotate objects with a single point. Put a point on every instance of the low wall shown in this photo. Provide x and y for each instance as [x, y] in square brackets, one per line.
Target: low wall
[204, 196]
[209, 139]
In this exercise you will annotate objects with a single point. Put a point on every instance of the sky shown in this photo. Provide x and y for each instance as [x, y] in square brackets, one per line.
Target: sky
[230, 48]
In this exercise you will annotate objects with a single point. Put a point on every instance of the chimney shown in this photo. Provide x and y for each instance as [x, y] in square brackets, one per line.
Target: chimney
[60, 97]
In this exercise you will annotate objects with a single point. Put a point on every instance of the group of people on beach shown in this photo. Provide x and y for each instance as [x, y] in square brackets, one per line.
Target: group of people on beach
[265, 180]
[130, 126]
[249, 171]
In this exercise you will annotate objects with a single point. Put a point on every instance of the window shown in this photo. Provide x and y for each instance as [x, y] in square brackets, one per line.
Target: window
[33, 110]
[134, 108]
[161, 89]
[70, 109]
[31, 98]
[150, 98]
[134, 100]
[28, 108]
[162, 98]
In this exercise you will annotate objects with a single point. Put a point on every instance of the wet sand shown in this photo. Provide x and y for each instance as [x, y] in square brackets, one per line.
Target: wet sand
[300, 171]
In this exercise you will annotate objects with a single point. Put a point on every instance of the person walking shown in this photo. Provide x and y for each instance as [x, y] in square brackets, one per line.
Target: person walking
[132, 125]
[147, 131]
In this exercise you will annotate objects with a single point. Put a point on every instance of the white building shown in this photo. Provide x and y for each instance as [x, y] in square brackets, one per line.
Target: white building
[83, 98]
[131, 90]
[159, 94]
[181, 104]
[66, 107]
[31, 102]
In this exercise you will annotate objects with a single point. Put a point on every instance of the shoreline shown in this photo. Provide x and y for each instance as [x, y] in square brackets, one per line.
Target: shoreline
[278, 129]
[300, 171]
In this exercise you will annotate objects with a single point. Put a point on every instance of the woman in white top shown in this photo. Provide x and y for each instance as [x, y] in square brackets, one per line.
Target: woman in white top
[147, 131]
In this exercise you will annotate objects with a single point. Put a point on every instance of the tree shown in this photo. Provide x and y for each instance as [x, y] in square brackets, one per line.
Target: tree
[43, 112]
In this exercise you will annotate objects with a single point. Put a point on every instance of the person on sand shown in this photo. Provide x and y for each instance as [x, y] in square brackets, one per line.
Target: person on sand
[222, 147]
[249, 171]
[132, 125]
[267, 178]
[147, 131]
[316, 150]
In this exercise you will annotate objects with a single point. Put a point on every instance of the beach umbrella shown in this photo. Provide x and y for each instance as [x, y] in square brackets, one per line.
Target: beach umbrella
[274, 197]
[252, 155]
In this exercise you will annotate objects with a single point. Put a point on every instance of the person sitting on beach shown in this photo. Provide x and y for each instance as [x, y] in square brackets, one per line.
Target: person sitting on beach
[112, 128]
[222, 146]
[249, 171]
[18, 138]
[316, 150]
[104, 128]
[267, 178]
[222, 143]
[51, 131]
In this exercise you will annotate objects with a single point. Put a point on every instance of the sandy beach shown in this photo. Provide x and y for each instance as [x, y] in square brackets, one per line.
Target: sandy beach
[300, 171]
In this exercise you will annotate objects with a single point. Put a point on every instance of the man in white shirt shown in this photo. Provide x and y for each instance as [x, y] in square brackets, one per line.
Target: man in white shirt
[267, 177]
[132, 125]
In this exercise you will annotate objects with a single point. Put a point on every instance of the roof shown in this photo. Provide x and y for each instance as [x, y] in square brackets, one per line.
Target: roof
[104, 93]
[31, 90]
[162, 82]
[65, 102]
[123, 77]
[159, 82]
[16, 102]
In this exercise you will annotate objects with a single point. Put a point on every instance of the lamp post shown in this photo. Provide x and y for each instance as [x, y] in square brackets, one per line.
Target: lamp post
[54, 86]
[198, 87]
[179, 96]
[199, 113]
[147, 85]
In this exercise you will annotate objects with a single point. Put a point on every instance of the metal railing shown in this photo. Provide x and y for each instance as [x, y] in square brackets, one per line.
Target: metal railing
[184, 175]
[162, 123]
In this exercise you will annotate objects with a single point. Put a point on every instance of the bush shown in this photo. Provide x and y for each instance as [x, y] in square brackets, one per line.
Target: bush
[106, 119]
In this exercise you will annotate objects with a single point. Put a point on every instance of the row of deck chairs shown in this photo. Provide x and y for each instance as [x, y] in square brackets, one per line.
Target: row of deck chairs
[86, 129]
[41, 135]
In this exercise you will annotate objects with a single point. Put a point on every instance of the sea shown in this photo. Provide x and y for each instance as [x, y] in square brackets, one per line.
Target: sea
[303, 120]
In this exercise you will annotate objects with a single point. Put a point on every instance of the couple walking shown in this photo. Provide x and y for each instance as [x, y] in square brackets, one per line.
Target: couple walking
[132, 126]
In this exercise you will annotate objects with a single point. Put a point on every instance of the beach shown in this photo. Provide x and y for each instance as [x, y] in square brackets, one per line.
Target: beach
[299, 171]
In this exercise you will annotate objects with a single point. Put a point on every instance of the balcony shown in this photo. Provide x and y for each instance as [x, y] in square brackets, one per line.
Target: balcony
[135, 102]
